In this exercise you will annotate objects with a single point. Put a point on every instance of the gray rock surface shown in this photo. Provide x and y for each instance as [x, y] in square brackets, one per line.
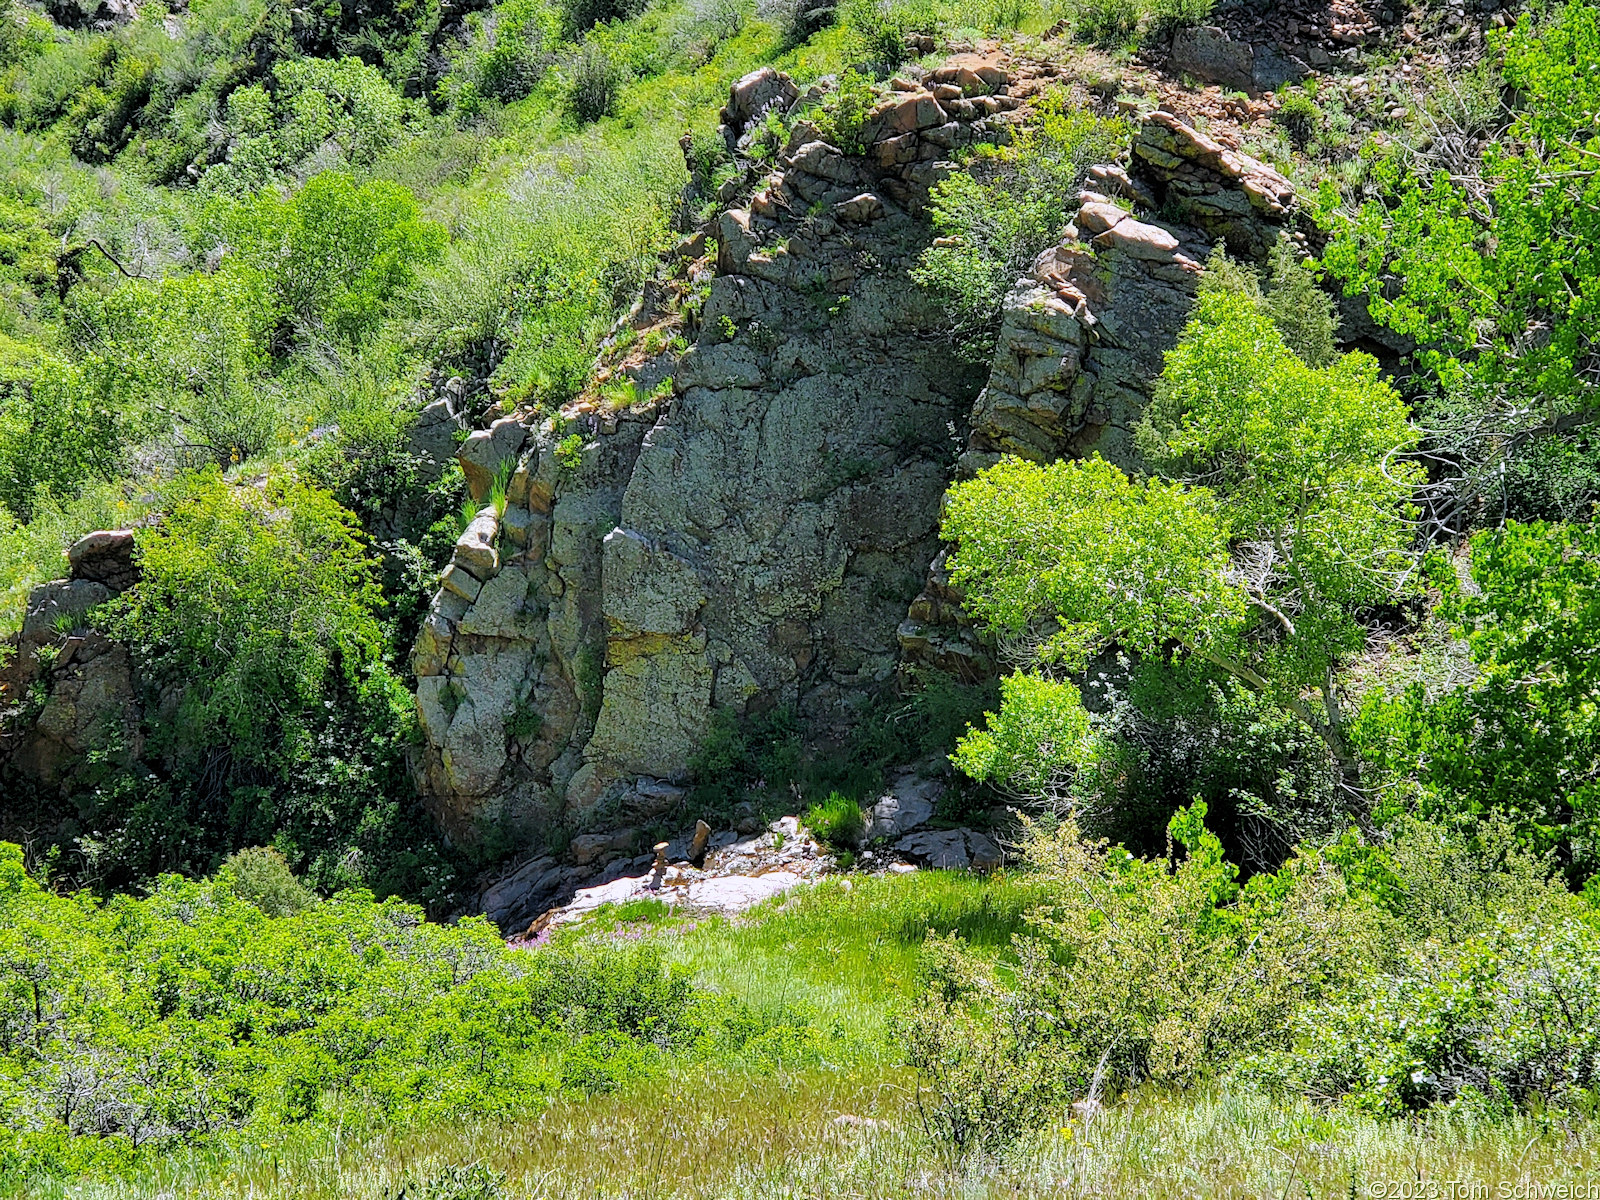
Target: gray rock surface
[91, 709]
[432, 439]
[758, 537]
[60, 598]
[939, 849]
[753, 539]
[908, 804]
[1208, 53]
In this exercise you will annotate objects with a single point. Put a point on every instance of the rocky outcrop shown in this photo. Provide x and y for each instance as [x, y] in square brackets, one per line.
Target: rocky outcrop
[105, 557]
[1231, 197]
[67, 694]
[1214, 55]
[756, 534]
[750, 539]
[1084, 334]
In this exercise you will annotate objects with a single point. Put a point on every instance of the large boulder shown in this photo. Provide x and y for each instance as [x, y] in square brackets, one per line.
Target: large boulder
[432, 439]
[105, 556]
[489, 451]
[1208, 53]
[91, 709]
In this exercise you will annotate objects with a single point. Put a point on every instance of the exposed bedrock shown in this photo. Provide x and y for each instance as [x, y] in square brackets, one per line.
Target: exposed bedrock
[751, 540]
[759, 534]
[1084, 333]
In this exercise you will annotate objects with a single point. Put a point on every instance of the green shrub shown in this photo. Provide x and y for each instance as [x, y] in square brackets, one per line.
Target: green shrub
[336, 256]
[580, 16]
[1300, 117]
[1165, 734]
[1115, 24]
[191, 1018]
[995, 218]
[269, 708]
[261, 877]
[517, 54]
[706, 154]
[881, 29]
[1522, 739]
[838, 820]
[183, 363]
[988, 1068]
[1508, 1016]
[603, 1062]
[472, 1182]
[56, 432]
[1135, 970]
[844, 110]
[250, 598]
[1110, 23]
[797, 21]
[594, 84]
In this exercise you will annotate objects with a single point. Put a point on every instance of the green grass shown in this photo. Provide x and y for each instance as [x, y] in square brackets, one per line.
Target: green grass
[838, 820]
[845, 953]
[846, 950]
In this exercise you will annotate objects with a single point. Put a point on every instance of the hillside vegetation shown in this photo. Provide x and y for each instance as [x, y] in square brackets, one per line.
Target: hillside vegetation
[1287, 704]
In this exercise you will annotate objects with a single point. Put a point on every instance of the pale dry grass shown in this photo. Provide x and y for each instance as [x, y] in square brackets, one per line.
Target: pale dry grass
[740, 1137]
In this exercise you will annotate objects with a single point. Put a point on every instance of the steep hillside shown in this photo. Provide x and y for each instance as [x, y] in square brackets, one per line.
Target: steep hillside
[912, 596]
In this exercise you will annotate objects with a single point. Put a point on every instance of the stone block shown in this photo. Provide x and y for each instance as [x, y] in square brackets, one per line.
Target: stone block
[105, 556]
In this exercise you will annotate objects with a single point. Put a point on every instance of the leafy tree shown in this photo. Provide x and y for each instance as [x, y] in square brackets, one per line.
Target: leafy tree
[1492, 261]
[335, 255]
[1287, 524]
[1523, 738]
[315, 104]
[184, 360]
[271, 715]
[250, 598]
[55, 432]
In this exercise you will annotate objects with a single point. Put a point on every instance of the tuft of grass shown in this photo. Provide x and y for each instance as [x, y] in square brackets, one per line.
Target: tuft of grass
[838, 820]
[499, 487]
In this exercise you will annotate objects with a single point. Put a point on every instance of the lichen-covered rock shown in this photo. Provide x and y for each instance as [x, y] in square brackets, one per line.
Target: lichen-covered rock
[1082, 339]
[1208, 53]
[759, 538]
[432, 439]
[754, 540]
[484, 453]
[91, 709]
[61, 602]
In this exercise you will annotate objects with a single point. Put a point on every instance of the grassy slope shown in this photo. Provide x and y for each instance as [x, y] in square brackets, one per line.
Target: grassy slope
[846, 957]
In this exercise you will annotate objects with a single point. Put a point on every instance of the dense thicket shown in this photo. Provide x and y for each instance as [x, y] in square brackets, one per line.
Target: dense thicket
[241, 1005]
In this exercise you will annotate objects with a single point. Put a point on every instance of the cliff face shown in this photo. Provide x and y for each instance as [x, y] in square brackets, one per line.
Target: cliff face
[761, 534]
[753, 539]
[752, 525]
